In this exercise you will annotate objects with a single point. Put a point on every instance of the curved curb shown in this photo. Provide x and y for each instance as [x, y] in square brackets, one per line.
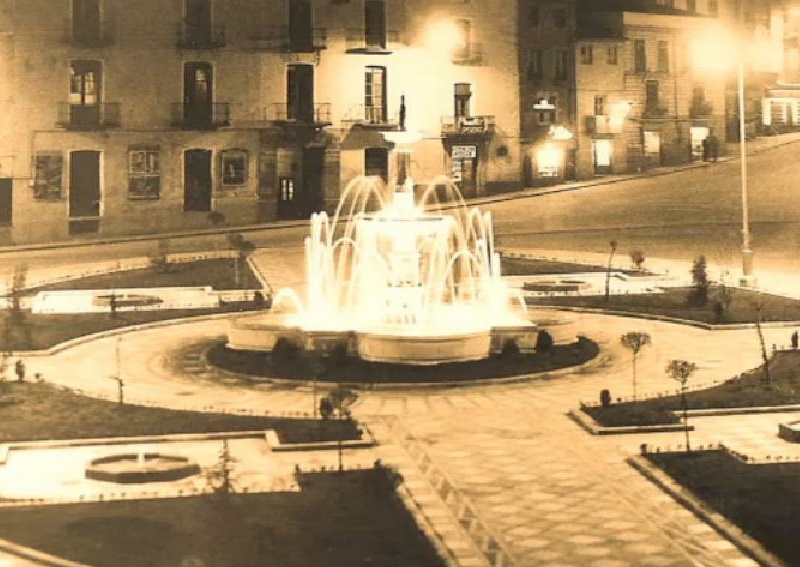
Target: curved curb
[722, 525]
[667, 318]
[594, 362]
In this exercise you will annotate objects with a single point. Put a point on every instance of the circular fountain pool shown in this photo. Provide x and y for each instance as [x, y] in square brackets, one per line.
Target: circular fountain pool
[139, 468]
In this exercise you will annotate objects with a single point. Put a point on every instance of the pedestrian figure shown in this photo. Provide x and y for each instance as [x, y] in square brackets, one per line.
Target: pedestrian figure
[705, 144]
[112, 303]
[794, 340]
[19, 369]
[714, 148]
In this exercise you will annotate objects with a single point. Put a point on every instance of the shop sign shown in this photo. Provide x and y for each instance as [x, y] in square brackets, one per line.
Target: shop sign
[465, 152]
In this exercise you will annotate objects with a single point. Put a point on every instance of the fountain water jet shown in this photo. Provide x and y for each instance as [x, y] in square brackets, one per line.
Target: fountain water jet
[392, 282]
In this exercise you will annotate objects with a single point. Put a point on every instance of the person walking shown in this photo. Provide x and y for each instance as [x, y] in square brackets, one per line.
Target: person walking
[19, 369]
[794, 340]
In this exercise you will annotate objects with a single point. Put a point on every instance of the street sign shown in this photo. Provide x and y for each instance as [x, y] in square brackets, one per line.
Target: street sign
[461, 152]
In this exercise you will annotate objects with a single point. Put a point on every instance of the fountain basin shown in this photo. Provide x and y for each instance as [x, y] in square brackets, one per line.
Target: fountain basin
[140, 468]
[423, 349]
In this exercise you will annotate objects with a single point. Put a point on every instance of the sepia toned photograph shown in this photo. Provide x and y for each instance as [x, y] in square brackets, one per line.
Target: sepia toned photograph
[399, 283]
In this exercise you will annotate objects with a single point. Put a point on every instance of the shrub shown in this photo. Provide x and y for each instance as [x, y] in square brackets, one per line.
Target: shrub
[338, 355]
[544, 341]
[637, 259]
[510, 348]
[284, 349]
[605, 398]
[698, 296]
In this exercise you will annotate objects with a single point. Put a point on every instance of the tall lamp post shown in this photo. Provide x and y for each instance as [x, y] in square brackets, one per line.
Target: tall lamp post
[747, 279]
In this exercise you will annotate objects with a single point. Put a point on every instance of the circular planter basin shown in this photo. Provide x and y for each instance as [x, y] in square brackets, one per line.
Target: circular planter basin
[140, 468]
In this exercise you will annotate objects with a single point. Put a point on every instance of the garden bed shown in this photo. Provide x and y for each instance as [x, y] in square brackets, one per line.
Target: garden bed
[537, 267]
[750, 390]
[40, 411]
[336, 520]
[760, 499]
[673, 302]
[219, 273]
[294, 366]
[38, 331]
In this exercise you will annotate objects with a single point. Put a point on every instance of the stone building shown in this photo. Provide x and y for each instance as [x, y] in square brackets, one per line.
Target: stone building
[146, 116]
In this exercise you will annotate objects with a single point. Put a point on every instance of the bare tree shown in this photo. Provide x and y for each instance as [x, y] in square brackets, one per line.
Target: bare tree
[681, 370]
[637, 259]
[764, 356]
[243, 249]
[635, 341]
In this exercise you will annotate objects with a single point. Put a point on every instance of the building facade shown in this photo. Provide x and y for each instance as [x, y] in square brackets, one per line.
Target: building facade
[148, 116]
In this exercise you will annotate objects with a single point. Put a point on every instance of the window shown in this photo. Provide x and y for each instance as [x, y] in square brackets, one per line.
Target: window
[234, 167]
[560, 71]
[286, 189]
[639, 56]
[375, 95]
[560, 18]
[586, 54]
[599, 105]
[49, 168]
[84, 82]
[144, 172]
[375, 23]
[533, 17]
[663, 56]
[462, 50]
[462, 93]
[535, 65]
[713, 7]
[86, 21]
[546, 110]
[691, 6]
[698, 96]
[611, 55]
[651, 96]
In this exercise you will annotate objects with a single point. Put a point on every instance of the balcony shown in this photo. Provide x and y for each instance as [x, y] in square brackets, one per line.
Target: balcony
[280, 112]
[470, 54]
[357, 41]
[376, 117]
[280, 40]
[701, 109]
[460, 125]
[201, 117]
[200, 37]
[652, 111]
[88, 116]
[604, 124]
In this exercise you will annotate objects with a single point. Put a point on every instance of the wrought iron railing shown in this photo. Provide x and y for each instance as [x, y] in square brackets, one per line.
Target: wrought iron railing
[201, 117]
[88, 116]
[279, 39]
[200, 37]
[356, 39]
[467, 124]
[320, 113]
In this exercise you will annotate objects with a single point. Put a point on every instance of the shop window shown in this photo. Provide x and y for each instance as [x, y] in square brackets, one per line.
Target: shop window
[144, 173]
[49, 169]
[234, 167]
[548, 159]
[652, 143]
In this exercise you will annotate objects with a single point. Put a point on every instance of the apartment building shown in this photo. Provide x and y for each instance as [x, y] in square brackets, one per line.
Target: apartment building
[147, 116]
[642, 100]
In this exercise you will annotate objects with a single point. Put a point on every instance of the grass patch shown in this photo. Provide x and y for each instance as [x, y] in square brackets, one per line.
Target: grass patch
[337, 520]
[760, 499]
[356, 370]
[38, 411]
[219, 273]
[44, 330]
[534, 267]
[747, 391]
[674, 303]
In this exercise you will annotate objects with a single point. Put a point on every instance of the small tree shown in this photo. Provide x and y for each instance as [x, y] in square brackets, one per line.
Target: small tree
[544, 341]
[722, 302]
[698, 296]
[681, 370]
[637, 259]
[18, 320]
[219, 476]
[605, 397]
[613, 248]
[635, 341]
[764, 357]
[243, 249]
[325, 407]
[342, 399]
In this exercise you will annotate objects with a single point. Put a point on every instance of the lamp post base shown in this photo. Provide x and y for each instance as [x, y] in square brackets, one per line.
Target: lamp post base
[747, 279]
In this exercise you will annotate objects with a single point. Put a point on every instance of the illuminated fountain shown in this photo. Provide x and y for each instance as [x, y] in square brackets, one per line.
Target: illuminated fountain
[394, 279]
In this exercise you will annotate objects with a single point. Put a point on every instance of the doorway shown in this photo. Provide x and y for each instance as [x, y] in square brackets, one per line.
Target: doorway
[198, 20]
[84, 184]
[198, 85]
[697, 134]
[313, 171]
[300, 92]
[197, 180]
[85, 85]
[5, 201]
[376, 163]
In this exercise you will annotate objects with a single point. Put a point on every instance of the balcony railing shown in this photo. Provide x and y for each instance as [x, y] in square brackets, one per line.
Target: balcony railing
[96, 36]
[201, 117]
[279, 39]
[467, 124]
[655, 112]
[284, 112]
[700, 109]
[357, 41]
[372, 116]
[88, 116]
[200, 37]
[604, 124]
[469, 54]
